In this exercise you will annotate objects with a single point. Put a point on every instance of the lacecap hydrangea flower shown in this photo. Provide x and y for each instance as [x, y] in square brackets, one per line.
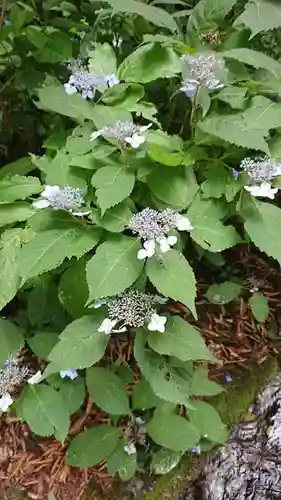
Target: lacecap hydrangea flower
[84, 82]
[126, 132]
[131, 309]
[202, 70]
[261, 171]
[153, 227]
[67, 198]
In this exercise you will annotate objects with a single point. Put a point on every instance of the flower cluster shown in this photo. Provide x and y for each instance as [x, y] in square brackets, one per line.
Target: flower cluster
[152, 226]
[132, 309]
[203, 70]
[12, 375]
[125, 132]
[261, 172]
[67, 198]
[135, 432]
[84, 82]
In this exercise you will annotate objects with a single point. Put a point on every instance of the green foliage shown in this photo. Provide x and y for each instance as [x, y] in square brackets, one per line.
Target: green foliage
[260, 15]
[222, 293]
[107, 391]
[259, 306]
[91, 446]
[172, 432]
[113, 185]
[11, 339]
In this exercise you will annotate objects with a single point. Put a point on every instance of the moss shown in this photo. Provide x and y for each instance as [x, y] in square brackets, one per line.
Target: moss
[233, 406]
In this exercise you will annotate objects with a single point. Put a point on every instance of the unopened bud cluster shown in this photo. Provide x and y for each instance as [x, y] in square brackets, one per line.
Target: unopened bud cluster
[203, 70]
[262, 171]
[153, 226]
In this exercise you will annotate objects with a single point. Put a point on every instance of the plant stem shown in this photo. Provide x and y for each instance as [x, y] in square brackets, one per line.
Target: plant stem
[193, 112]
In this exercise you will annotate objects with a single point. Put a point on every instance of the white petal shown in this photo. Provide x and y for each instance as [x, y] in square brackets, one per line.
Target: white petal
[107, 326]
[50, 191]
[183, 223]
[143, 128]
[135, 141]
[157, 323]
[164, 245]
[120, 330]
[97, 304]
[172, 240]
[72, 374]
[5, 401]
[81, 214]
[95, 135]
[149, 246]
[130, 449]
[35, 379]
[70, 89]
[263, 190]
[142, 254]
[41, 204]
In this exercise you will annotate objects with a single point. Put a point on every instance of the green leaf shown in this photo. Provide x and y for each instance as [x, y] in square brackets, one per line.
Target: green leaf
[11, 339]
[73, 394]
[15, 212]
[149, 62]
[234, 96]
[177, 188]
[56, 99]
[61, 173]
[116, 218]
[172, 432]
[107, 391]
[259, 306]
[163, 461]
[114, 267]
[19, 167]
[223, 293]
[260, 15]
[261, 226]
[48, 250]
[113, 185]
[45, 412]
[121, 463]
[10, 244]
[254, 58]
[202, 386]
[18, 187]
[42, 343]
[102, 60]
[181, 340]
[73, 289]
[93, 445]
[58, 48]
[152, 14]
[143, 397]
[80, 345]
[209, 14]
[173, 277]
[207, 420]
[211, 234]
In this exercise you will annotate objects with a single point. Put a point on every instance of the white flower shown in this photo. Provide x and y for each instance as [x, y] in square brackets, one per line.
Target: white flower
[263, 190]
[157, 323]
[183, 223]
[107, 327]
[65, 198]
[72, 374]
[6, 401]
[135, 141]
[130, 449]
[166, 242]
[124, 131]
[95, 135]
[189, 87]
[111, 80]
[35, 379]
[147, 251]
[97, 304]
[48, 193]
[70, 89]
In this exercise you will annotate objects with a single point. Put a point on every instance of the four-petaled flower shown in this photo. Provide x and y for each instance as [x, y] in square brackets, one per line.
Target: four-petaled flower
[130, 448]
[264, 190]
[107, 327]
[72, 374]
[5, 402]
[157, 323]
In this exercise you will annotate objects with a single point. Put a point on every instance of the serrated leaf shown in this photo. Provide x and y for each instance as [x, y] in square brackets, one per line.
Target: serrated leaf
[18, 187]
[223, 293]
[119, 462]
[56, 99]
[202, 386]
[143, 396]
[181, 340]
[207, 420]
[163, 461]
[73, 394]
[116, 218]
[113, 185]
[209, 13]
[107, 391]
[254, 58]
[42, 343]
[60, 172]
[260, 15]
[114, 267]
[10, 244]
[261, 226]
[19, 167]
[15, 212]
[11, 339]
[172, 432]
[93, 445]
[45, 412]
[149, 62]
[259, 306]
[177, 188]
[102, 59]
[213, 235]
[234, 96]
[73, 289]
[173, 277]
[48, 250]
[152, 14]
[80, 344]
